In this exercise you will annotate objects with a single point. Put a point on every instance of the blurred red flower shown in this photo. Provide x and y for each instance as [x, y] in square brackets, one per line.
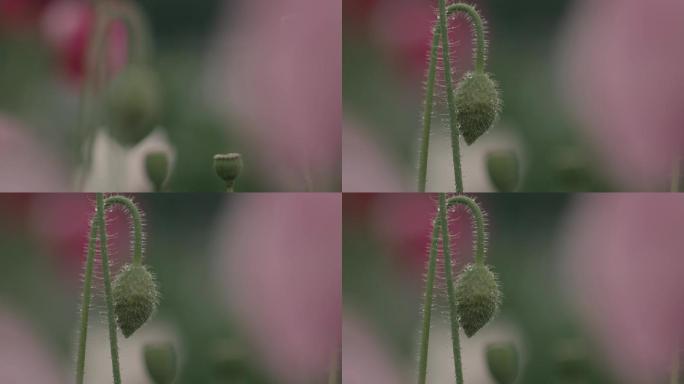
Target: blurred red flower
[67, 26]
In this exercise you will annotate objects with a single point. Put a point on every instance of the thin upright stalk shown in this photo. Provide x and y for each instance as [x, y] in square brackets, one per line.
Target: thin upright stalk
[113, 344]
[448, 273]
[451, 102]
[85, 306]
[427, 304]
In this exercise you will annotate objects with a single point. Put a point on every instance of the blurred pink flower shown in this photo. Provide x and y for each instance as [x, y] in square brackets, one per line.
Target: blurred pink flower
[624, 263]
[279, 264]
[622, 65]
[24, 358]
[365, 167]
[25, 165]
[365, 359]
[67, 26]
[280, 72]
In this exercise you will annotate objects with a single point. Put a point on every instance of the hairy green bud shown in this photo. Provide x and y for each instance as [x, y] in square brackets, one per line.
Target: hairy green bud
[160, 360]
[228, 167]
[477, 105]
[135, 297]
[504, 170]
[477, 297]
[133, 105]
[502, 360]
[157, 168]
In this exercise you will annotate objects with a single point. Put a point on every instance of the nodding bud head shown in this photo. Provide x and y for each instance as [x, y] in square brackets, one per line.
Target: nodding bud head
[160, 360]
[133, 105]
[477, 297]
[135, 297]
[502, 360]
[477, 105]
[504, 170]
[228, 167]
[157, 168]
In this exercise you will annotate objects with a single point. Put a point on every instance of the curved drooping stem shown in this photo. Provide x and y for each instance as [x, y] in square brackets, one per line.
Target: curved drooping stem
[478, 63]
[136, 221]
[479, 221]
[448, 272]
[106, 14]
[98, 229]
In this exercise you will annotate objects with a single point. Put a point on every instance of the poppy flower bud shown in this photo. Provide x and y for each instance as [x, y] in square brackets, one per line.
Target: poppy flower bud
[502, 360]
[160, 360]
[133, 105]
[135, 297]
[504, 170]
[477, 297]
[157, 168]
[228, 167]
[477, 105]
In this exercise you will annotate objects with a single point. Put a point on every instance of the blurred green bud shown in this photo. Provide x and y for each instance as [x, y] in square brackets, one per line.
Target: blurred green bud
[228, 167]
[228, 360]
[133, 105]
[157, 168]
[477, 297]
[477, 105]
[570, 360]
[135, 297]
[160, 360]
[504, 170]
[502, 360]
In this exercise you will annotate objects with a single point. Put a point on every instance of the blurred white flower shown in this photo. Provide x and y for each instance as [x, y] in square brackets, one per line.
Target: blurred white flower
[116, 168]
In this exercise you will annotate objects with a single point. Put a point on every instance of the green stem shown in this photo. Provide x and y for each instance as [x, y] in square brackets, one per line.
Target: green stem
[427, 112]
[136, 220]
[427, 304]
[85, 306]
[478, 218]
[451, 102]
[478, 64]
[448, 271]
[108, 288]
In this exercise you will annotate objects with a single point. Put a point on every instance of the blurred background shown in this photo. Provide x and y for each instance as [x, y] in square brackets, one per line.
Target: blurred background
[261, 78]
[237, 310]
[591, 285]
[591, 94]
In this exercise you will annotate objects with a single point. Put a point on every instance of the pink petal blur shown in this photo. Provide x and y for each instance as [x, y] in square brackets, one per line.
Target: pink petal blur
[279, 265]
[624, 263]
[622, 63]
[26, 165]
[24, 358]
[279, 71]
